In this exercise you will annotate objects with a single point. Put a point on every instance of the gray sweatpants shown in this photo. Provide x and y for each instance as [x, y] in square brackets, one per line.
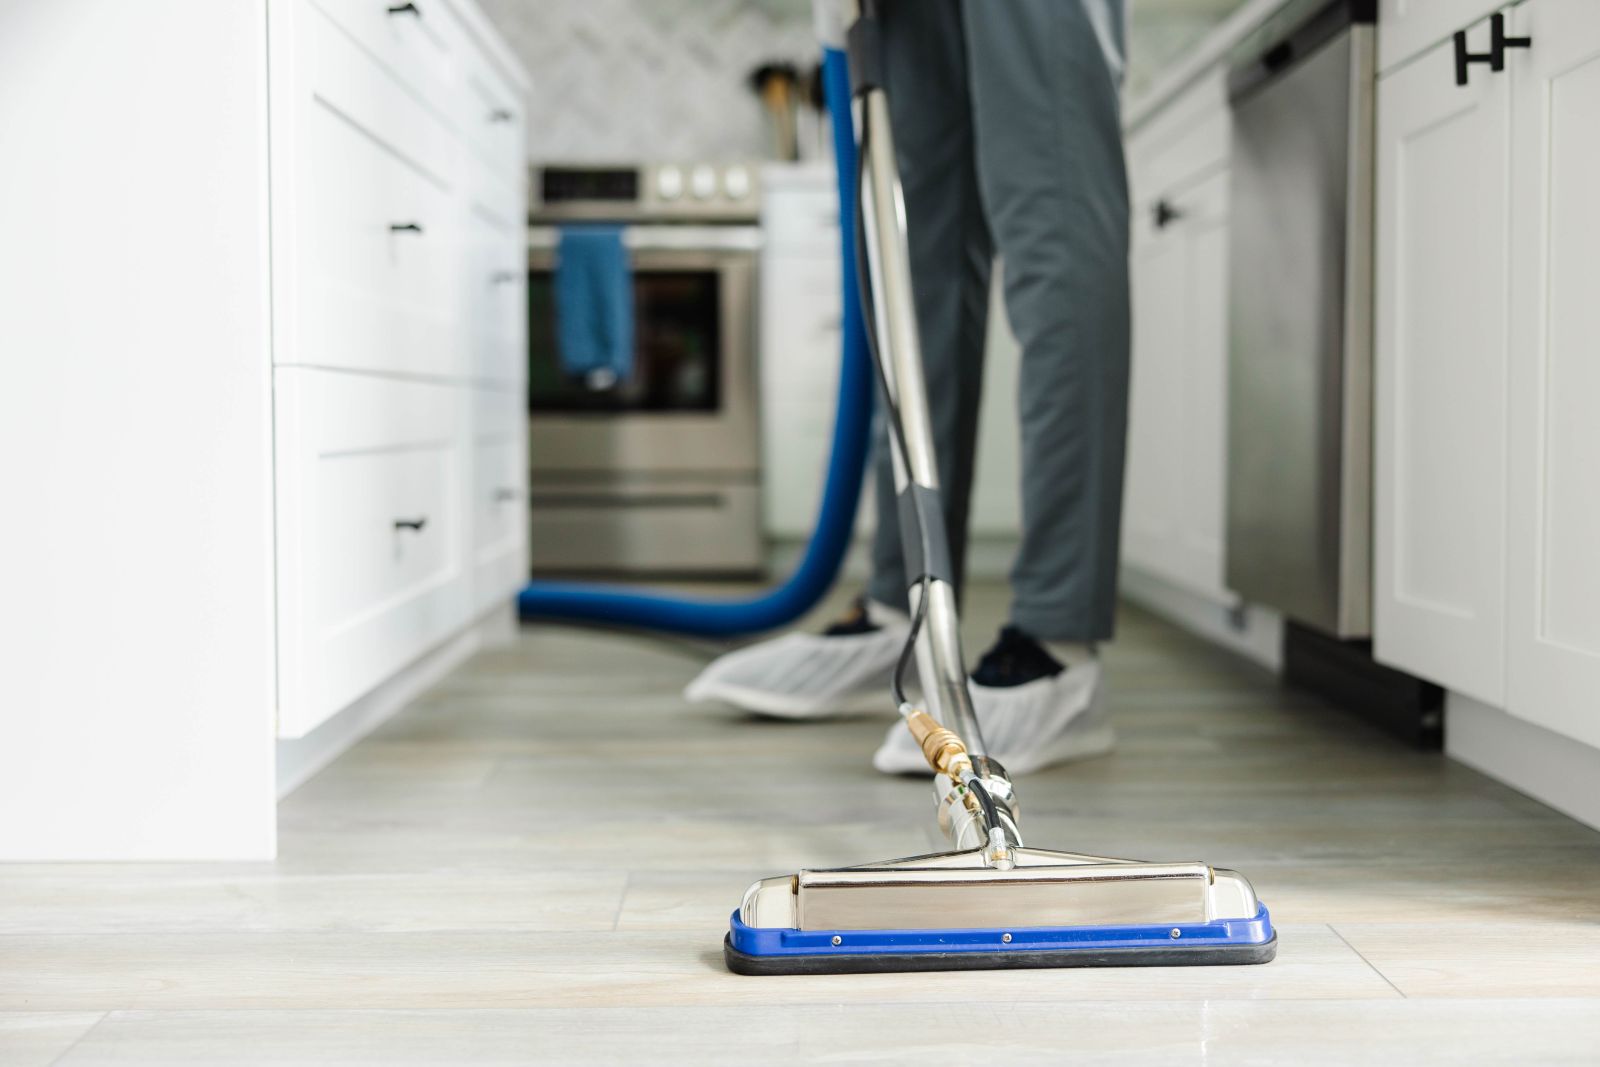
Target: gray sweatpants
[1008, 133]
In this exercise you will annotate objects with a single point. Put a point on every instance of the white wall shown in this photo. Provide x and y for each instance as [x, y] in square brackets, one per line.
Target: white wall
[650, 79]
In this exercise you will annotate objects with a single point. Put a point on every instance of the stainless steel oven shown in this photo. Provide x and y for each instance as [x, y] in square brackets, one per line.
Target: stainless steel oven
[658, 473]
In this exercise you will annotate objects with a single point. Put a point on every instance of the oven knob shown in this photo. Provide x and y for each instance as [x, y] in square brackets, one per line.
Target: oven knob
[703, 182]
[669, 183]
[736, 183]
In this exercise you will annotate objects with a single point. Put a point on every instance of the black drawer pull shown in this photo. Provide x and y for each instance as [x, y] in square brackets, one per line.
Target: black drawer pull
[1495, 56]
[405, 227]
[1166, 214]
[505, 495]
[405, 9]
[501, 114]
[411, 524]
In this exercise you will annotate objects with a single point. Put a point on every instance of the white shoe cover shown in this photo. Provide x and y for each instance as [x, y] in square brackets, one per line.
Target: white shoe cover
[807, 676]
[1025, 727]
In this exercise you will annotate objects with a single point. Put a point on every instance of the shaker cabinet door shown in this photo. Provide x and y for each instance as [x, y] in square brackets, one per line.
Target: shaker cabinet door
[1173, 514]
[1554, 621]
[1160, 327]
[1440, 373]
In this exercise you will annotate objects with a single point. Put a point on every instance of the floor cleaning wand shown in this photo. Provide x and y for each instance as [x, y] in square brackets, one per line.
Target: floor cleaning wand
[976, 803]
[991, 901]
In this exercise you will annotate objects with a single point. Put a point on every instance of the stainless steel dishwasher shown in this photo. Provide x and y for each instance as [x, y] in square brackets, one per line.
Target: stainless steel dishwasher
[1300, 332]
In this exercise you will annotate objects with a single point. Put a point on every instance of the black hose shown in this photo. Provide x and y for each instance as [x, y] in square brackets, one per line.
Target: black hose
[991, 813]
[907, 651]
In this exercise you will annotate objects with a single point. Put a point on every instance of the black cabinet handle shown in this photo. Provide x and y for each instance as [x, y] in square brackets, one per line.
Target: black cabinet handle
[505, 496]
[405, 9]
[411, 524]
[405, 227]
[1166, 214]
[1463, 57]
[1495, 57]
[501, 114]
[1499, 42]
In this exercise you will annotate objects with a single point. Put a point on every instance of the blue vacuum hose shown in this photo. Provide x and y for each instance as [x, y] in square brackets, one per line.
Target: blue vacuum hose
[721, 617]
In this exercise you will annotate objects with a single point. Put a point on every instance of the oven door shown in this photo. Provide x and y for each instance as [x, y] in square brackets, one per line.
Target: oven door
[690, 404]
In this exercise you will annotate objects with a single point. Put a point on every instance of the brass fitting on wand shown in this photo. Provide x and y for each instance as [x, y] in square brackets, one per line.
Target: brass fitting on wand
[944, 751]
[947, 754]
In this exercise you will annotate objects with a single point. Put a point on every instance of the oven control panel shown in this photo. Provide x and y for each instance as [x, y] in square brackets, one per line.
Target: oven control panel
[656, 192]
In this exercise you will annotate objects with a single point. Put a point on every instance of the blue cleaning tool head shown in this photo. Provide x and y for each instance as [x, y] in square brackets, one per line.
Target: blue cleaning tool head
[757, 951]
[951, 911]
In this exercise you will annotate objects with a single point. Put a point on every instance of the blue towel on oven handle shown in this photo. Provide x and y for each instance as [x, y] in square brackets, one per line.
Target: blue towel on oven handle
[594, 305]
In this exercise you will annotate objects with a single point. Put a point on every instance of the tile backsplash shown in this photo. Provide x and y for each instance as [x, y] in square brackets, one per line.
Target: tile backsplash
[650, 79]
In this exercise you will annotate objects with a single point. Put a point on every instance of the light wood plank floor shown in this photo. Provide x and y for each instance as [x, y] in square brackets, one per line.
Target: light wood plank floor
[536, 862]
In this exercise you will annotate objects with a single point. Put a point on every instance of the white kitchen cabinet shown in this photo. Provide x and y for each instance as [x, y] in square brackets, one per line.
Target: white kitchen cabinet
[1440, 372]
[1554, 530]
[801, 330]
[399, 305]
[1198, 551]
[372, 533]
[1173, 514]
[270, 417]
[137, 617]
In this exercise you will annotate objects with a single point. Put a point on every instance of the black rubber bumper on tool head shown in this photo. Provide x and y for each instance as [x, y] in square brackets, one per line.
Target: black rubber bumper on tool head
[888, 963]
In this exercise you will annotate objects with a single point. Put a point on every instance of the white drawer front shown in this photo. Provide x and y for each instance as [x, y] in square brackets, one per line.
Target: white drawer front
[377, 248]
[427, 51]
[369, 240]
[409, 116]
[496, 303]
[370, 538]
[499, 497]
[414, 42]
[491, 118]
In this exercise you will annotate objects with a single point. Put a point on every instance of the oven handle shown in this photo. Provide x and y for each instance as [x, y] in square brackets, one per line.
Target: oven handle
[665, 238]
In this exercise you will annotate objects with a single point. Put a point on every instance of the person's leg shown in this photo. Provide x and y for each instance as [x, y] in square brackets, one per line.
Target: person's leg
[926, 78]
[806, 675]
[1045, 79]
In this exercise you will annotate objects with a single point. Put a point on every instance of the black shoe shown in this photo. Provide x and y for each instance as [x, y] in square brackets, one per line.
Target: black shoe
[854, 622]
[1015, 659]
